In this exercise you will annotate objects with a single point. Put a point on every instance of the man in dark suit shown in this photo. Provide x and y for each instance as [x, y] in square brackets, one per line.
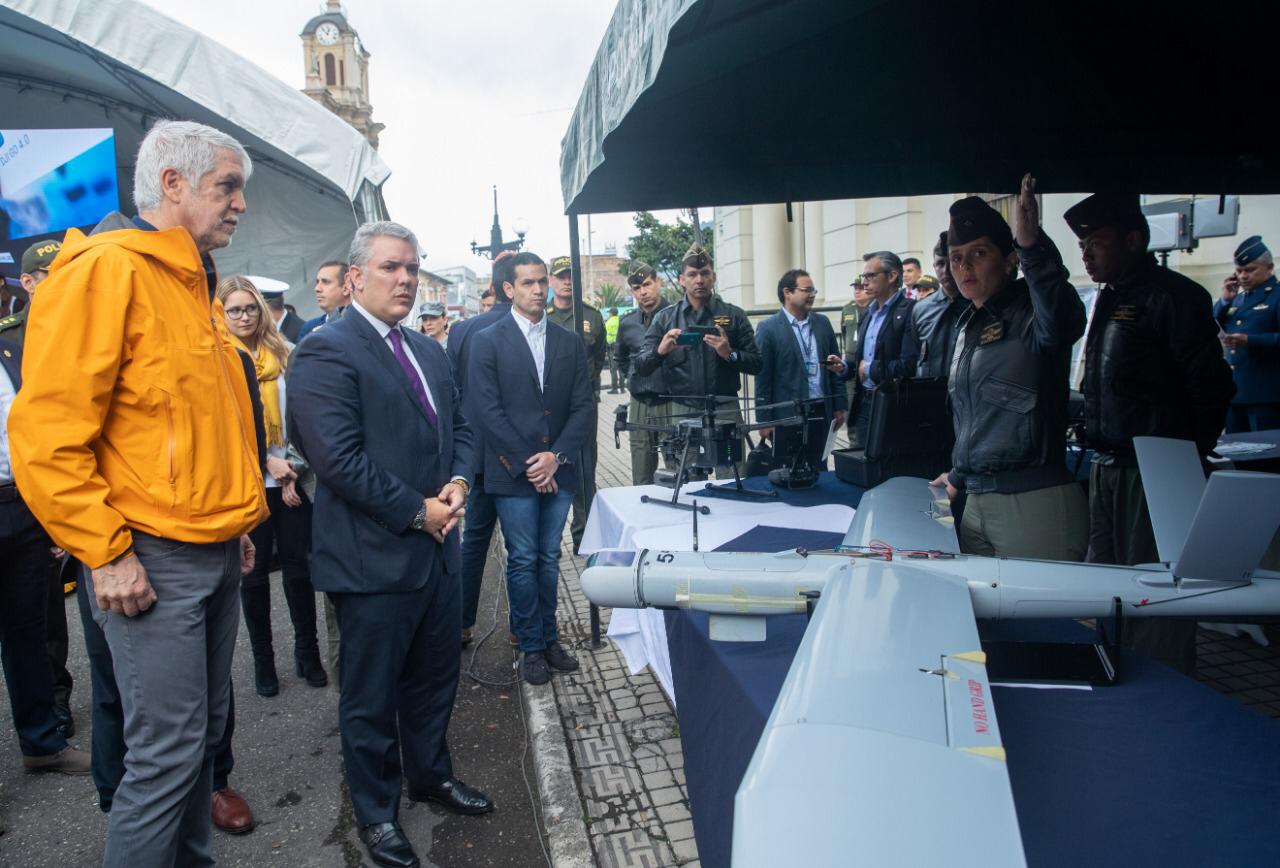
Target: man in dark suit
[477, 532]
[531, 390]
[374, 409]
[882, 355]
[793, 345]
[333, 294]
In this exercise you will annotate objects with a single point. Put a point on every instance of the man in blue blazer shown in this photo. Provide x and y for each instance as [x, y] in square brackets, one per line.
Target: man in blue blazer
[531, 393]
[374, 410]
[794, 346]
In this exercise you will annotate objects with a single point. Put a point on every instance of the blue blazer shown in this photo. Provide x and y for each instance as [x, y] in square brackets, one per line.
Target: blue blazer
[459, 350]
[518, 418]
[782, 375]
[309, 326]
[353, 415]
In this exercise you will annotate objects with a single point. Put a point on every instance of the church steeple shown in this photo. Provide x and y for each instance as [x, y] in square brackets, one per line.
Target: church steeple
[337, 69]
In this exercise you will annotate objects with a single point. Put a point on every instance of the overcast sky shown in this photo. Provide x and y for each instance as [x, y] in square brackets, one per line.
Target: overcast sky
[473, 93]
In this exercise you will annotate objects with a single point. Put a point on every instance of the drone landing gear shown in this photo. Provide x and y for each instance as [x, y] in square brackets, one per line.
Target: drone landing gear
[674, 502]
[737, 489]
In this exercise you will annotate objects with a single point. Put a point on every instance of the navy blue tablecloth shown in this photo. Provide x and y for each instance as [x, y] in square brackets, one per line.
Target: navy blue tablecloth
[828, 489]
[1158, 770]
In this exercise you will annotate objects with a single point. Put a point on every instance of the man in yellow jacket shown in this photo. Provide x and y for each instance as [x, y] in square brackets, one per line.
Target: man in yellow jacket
[136, 451]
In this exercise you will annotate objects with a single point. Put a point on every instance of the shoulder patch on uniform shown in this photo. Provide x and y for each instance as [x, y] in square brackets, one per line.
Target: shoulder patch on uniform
[7, 322]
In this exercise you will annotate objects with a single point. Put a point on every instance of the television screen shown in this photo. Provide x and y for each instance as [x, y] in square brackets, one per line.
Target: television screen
[51, 180]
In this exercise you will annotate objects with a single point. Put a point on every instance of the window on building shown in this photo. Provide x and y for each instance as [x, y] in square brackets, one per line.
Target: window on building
[329, 77]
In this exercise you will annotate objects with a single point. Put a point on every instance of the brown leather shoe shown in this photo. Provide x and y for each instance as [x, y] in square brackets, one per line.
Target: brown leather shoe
[68, 761]
[231, 812]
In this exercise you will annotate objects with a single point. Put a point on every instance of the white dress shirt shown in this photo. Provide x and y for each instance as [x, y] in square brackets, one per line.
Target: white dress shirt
[384, 331]
[7, 394]
[535, 333]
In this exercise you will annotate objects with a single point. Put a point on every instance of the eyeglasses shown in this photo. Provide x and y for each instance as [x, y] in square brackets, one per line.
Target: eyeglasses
[807, 290]
[868, 275]
[248, 311]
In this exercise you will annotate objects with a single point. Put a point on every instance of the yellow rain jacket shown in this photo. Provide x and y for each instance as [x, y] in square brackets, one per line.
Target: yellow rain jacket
[134, 412]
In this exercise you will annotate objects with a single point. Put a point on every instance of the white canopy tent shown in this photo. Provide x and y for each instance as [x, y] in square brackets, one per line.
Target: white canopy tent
[119, 63]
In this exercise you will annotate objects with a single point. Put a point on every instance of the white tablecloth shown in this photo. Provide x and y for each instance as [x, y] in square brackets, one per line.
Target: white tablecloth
[620, 521]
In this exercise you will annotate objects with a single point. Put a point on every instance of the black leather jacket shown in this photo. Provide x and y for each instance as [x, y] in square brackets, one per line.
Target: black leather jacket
[699, 370]
[1008, 387]
[931, 337]
[645, 388]
[1153, 365]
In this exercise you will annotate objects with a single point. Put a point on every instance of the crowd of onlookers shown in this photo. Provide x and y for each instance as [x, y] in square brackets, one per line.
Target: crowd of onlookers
[172, 439]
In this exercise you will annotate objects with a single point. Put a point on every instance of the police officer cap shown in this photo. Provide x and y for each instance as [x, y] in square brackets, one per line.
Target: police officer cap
[639, 272]
[560, 265]
[430, 308]
[940, 249]
[695, 257]
[1249, 250]
[39, 256]
[972, 218]
[1118, 210]
[928, 283]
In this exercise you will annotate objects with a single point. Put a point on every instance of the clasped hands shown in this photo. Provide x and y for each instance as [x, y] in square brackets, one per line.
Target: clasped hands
[444, 510]
[541, 472]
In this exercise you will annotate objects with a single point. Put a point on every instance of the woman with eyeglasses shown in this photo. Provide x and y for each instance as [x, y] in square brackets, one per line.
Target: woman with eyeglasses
[1008, 386]
[288, 529]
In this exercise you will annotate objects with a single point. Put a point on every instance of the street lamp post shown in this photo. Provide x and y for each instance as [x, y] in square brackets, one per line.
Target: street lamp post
[496, 244]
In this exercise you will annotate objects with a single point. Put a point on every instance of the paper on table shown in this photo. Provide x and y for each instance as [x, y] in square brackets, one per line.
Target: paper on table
[1042, 686]
[831, 441]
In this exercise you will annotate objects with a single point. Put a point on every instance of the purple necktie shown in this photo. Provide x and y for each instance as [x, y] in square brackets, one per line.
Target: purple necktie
[397, 347]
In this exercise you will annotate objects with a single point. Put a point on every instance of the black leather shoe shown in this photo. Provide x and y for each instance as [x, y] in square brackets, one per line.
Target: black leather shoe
[388, 846]
[265, 680]
[534, 668]
[307, 664]
[560, 659]
[66, 723]
[454, 795]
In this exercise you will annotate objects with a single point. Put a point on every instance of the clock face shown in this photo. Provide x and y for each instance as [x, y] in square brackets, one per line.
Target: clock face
[327, 33]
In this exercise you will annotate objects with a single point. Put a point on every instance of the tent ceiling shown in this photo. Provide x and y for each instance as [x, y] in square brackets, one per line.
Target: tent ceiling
[739, 101]
[121, 64]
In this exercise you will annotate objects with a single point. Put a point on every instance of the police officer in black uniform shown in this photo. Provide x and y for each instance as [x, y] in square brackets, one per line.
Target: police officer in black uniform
[647, 390]
[1008, 386]
[1249, 313]
[714, 365]
[1153, 367]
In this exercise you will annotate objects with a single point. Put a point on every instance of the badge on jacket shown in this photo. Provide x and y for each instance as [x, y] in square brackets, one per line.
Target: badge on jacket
[723, 321]
[1125, 313]
[586, 327]
[991, 334]
[1262, 306]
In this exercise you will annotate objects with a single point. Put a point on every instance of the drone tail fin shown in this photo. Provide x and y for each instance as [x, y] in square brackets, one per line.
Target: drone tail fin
[1216, 530]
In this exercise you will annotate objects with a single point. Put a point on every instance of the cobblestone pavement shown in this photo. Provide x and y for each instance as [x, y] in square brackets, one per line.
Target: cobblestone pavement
[624, 740]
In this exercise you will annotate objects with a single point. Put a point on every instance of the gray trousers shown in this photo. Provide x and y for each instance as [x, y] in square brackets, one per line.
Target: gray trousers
[644, 444]
[1050, 523]
[173, 666]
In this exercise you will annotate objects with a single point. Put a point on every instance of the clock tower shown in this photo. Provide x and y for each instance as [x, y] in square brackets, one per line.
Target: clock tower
[337, 69]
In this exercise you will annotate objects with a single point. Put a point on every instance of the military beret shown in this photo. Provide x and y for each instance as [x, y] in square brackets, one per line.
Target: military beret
[431, 308]
[940, 249]
[39, 256]
[639, 272]
[561, 264]
[1118, 210]
[928, 283]
[696, 257]
[972, 218]
[1249, 250]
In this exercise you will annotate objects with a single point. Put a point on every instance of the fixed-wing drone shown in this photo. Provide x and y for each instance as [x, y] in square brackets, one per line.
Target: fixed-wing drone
[890, 681]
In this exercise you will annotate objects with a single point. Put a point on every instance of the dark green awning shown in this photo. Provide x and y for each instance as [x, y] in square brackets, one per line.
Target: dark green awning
[718, 102]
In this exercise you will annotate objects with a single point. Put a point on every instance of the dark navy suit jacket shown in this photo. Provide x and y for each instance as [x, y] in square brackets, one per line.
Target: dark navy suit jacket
[11, 358]
[353, 415]
[518, 418]
[782, 375]
[461, 340]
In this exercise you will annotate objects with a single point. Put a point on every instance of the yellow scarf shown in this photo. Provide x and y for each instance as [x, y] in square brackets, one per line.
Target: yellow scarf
[267, 368]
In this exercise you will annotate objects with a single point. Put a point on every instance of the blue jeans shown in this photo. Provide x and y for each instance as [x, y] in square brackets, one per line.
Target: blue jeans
[532, 526]
[477, 532]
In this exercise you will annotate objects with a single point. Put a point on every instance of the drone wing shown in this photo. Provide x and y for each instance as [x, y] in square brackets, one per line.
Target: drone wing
[883, 747]
[906, 513]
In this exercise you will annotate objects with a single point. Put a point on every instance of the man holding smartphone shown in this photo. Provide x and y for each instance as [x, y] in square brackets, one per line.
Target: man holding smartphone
[703, 345]
[1249, 315]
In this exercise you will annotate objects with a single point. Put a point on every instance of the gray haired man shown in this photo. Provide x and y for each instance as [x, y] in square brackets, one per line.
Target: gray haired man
[137, 452]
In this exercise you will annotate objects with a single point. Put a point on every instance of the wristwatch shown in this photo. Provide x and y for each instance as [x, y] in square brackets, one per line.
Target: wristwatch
[561, 458]
[420, 520]
[733, 355]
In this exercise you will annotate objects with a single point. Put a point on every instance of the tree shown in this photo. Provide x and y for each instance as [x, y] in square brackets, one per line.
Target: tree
[663, 245]
[611, 295]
